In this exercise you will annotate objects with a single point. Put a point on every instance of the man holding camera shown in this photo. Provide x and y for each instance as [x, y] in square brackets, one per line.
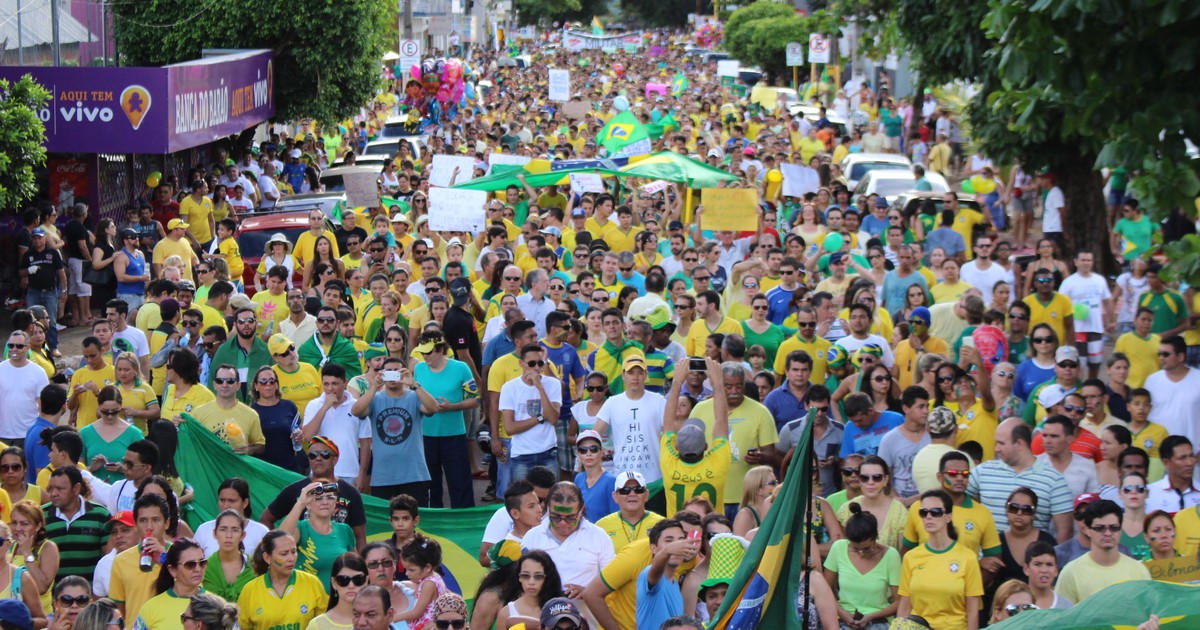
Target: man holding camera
[394, 407]
[322, 457]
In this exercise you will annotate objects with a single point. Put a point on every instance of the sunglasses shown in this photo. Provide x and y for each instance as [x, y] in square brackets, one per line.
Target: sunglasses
[247, 320]
[446, 624]
[877, 477]
[762, 307]
[11, 467]
[1068, 365]
[1021, 508]
[358, 579]
[78, 600]
[881, 379]
[290, 350]
[679, 307]
[634, 490]
[583, 450]
[1105, 529]
[268, 381]
[190, 324]
[394, 340]
[17, 346]
[916, 322]
[945, 379]
[209, 345]
[599, 298]
[1021, 316]
[381, 564]
[313, 455]
[955, 474]
[701, 278]
[564, 518]
[110, 412]
[1138, 488]
[553, 287]
[225, 381]
[597, 388]
[1044, 280]
[192, 565]
[1160, 354]
[849, 472]
[1042, 339]
[1074, 408]
[536, 363]
[934, 512]
[513, 278]
[690, 260]
[1013, 609]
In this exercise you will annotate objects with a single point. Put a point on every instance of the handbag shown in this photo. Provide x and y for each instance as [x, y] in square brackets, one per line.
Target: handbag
[98, 277]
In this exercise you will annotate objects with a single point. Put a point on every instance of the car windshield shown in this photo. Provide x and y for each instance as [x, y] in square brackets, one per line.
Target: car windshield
[892, 187]
[383, 148]
[252, 243]
[862, 168]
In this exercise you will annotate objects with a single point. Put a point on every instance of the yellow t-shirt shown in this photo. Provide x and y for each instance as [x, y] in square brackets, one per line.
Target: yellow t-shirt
[300, 386]
[129, 584]
[238, 427]
[817, 349]
[233, 257]
[174, 404]
[503, 370]
[975, 525]
[939, 582]
[34, 493]
[1143, 356]
[1053, 314]
[86, 411]
[1149, 438]
[621, 576]
[140, 397]
[158, 375]
[1187, 532]
[622, 532]
[261, 608]
[162, 611]
[700, 332]
[978, 424]
[682, 481]
[271, 307]
[620, 241]
[750, 426]
[943, 292]
[964, 224]
[593, 227]
[166, 248]
[196, 215]
[213, 317]
[303, 252]
[906, 357]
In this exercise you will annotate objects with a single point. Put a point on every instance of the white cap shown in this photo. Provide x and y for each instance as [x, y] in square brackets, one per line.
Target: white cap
[625, 477]
[295, 153]
[714, 153]
[589, 434]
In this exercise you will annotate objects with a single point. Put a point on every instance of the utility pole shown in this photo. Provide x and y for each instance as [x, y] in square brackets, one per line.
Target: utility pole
[407, 19]
[56, 47]
[20, 37]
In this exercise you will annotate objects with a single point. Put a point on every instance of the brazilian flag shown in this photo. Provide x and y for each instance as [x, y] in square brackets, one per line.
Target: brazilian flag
[624, 135]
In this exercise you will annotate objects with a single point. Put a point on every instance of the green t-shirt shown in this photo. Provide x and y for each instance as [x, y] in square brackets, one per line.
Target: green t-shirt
[1169, 310]
[1138, 233]
[769, 340]
[863, 592]
[318, 551]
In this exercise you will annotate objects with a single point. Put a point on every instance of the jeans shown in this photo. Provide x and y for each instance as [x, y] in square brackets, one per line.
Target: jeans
[449, 454]
[133, 300]
[49, 299]
[520, 465]
[503, 468]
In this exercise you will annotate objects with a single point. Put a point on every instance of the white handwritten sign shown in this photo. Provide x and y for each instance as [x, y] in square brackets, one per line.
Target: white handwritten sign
[799, 179]
[362, 189]
[457, 210]
[586, 183]
[655, 186]
[560, 84]
[443, 170]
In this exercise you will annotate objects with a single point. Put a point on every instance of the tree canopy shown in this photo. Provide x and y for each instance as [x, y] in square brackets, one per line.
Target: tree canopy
[327, 54]
[758, 34]
[22, 135]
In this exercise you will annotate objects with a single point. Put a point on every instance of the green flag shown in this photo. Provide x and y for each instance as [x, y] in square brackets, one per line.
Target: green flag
[762, 593]
[624, 135]
[1119, 607]
[205, 461]
[665, 125]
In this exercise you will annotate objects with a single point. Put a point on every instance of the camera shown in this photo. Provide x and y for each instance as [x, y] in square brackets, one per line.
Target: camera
[390, 376]
[696, 364]
[325, 488]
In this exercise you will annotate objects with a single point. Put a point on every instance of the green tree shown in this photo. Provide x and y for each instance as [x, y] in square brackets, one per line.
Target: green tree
[741, 26]
[327, 54]
[534, 11]
[673, 13]
[22, 135]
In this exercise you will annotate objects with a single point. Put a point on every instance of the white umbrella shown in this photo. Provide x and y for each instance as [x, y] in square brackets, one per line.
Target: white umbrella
[391, 55]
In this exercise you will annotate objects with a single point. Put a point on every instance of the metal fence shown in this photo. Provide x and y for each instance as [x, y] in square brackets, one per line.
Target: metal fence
[122, 177]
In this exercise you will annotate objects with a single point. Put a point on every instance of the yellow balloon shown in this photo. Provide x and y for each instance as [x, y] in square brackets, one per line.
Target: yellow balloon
[152, 181]
[983, 185]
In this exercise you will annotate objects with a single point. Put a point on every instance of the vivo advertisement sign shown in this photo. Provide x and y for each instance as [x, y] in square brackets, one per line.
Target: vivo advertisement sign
[153, 110]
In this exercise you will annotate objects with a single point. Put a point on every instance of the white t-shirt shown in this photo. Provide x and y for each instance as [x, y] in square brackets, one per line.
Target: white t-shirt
[269, 189]
[580, 557]
[526, 402]
[851, 345]
[242, 205]
[1131, 292]
[103, 573]
[344, 429]
[984, 280]
[500, 526]
[136, 338]
[634, 426]
[205, 536]
[1091, 291]
[978, 162]
[1052, 211]
[1176, 404]
[20, 388]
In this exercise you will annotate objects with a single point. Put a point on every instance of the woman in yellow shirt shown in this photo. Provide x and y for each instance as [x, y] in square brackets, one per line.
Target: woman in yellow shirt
[183, 392]
[140, 403]
[14, 480]
[950, 287]
[940, 580]
[180, 579]
[281, 596]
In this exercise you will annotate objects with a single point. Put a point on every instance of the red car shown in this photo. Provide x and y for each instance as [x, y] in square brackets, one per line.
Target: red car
[257, 229]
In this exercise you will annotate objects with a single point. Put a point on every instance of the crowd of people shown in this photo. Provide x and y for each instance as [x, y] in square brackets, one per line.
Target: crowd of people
[631, 386]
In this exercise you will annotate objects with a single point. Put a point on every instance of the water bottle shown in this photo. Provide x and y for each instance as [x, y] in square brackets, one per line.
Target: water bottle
[185, 340]
[146, 562]
[296, 447]
[270, 328]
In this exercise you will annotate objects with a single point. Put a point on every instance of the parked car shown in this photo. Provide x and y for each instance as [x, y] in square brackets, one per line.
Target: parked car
[398, 127]
[374, 161]
[890, 184]
[258, 228]
[856, 165]
[389, 146]
[909, 203]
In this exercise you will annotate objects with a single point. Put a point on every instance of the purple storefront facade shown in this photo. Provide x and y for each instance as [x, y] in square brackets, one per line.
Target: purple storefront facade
[117, 123]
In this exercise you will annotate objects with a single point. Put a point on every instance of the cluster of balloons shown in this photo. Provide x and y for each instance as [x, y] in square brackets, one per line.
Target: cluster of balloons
[153, 179]
[978, 185]
[708, 35]
[438, 86]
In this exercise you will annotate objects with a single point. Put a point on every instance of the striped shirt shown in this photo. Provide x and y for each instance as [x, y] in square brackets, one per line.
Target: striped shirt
[81, 540]
[992, 481]
[660, 370]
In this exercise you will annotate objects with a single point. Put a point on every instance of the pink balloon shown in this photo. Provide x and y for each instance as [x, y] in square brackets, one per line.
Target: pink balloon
[415, 71]
[443, 93]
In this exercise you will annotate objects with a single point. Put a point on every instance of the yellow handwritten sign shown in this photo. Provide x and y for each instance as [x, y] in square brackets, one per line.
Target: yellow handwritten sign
[729, 209]
[1178, 570]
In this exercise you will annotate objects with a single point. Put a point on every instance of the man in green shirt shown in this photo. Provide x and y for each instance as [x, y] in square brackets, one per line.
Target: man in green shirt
[1170, 311]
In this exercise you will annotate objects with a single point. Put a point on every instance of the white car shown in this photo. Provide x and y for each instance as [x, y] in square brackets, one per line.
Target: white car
[390, 146]
[890, 184]
[855, 165]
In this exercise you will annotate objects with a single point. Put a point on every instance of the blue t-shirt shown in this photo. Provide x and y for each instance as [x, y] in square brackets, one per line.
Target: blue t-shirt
[1029, 376]
[36, 453]
[866, 441]
[397, 444]
[499, 346]
[452, 383]
[895, 288]
[780, 300]
[277, 423]
[567, 360]
[660, 603]
[874, 226]
[598, 498]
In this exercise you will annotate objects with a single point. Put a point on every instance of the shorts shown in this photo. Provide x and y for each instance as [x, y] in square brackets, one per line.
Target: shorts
[1021, 205]
[134, 301]
[75, 284]
[1091, 345]
[1116, 197]
[473, 419]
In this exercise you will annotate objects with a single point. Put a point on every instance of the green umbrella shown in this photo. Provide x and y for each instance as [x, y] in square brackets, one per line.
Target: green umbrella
[673, 167]
[1119, 607]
